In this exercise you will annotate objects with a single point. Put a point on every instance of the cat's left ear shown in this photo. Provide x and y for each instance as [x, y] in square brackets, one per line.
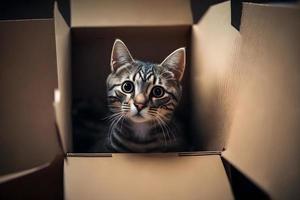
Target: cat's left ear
[120, 55]
[175, 62]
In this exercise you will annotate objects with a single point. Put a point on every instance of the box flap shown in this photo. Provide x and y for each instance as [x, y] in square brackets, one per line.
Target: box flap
[264, 134]
[106, 13]
[134, 176]
[27, 80]
[214, 46]
[62, 102]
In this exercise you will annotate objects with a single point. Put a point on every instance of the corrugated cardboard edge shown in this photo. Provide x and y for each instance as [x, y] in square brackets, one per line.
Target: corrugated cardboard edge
[62, 102]
[194, 153]
[19, 174]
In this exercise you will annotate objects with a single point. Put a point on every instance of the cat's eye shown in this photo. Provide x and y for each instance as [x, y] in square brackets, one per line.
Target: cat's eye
[158, 91]
[127, 87]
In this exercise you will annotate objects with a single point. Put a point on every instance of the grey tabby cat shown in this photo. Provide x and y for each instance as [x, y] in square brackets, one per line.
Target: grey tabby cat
[142, 97]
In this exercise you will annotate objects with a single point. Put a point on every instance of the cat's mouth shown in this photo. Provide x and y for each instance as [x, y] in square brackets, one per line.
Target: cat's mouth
[138, 115]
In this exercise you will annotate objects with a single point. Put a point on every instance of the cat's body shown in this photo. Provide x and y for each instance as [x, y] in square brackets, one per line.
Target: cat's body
[128, 137]
[142, 98]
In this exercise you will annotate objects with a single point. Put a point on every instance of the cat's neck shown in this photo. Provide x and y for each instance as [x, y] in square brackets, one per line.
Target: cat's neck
[141, 130]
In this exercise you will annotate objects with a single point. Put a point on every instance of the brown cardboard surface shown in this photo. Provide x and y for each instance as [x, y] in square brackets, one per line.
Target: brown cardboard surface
[63, 103]
[214, 46]
[93, 13]
[133, 176]
[27, 81]
[264, 135]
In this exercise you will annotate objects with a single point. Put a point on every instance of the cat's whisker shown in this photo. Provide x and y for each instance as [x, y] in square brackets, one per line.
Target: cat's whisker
[163, 126]
[168, 128]
[122, 122]
[161, 123]
[115, 121]
[174, 138]
[163, 132]
[112, 116]
[153, 119]
[115, 110]
[110, 129]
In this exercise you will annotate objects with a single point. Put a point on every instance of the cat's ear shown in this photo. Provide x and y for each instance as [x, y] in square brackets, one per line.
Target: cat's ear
[120, 55]
[175, 62]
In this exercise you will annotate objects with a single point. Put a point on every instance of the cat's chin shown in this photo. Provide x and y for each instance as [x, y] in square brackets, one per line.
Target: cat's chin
[139, 119]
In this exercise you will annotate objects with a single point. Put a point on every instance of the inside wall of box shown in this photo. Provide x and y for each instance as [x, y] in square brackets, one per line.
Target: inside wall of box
[91, 49]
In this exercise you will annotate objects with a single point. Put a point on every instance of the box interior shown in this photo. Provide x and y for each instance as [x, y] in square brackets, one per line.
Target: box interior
[91, 49]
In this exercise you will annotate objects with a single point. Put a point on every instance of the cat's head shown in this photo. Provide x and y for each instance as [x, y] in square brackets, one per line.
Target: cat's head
[143, 91]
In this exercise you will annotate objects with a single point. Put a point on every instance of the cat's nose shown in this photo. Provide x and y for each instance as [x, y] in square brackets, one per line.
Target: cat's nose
[139, 106]
[140, 101]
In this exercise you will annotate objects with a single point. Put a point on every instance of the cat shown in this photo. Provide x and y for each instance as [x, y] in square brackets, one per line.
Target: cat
[142, 97]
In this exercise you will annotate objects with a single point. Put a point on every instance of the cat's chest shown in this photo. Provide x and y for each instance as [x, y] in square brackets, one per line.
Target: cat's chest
[138, 138]
[138, 133]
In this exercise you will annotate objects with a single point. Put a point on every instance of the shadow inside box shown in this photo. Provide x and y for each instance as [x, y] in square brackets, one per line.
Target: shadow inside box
[242, 187]
[89, 124]
[199, 8]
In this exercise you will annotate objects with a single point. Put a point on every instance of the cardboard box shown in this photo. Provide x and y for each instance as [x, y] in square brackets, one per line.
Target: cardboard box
[244, 91]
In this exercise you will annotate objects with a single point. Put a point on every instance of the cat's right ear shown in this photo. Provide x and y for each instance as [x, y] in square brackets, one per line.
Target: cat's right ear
[120, 55]
[175, 62]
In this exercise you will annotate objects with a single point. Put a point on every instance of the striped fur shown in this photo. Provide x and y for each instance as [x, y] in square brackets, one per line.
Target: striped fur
[142, 97]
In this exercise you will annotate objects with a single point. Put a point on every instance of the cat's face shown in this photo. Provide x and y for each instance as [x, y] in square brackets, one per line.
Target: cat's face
[144, 92]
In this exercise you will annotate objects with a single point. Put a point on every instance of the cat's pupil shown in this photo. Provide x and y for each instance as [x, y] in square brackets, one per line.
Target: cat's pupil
[127, 86]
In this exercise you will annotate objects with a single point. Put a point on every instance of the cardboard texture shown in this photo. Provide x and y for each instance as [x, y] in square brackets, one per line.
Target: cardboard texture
[215, 45]
[264, 134]
[93, 13]
[27, 81]
[129, 176]
[244, 89]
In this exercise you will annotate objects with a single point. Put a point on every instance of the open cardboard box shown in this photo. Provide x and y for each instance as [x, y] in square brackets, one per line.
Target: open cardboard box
[243, 100]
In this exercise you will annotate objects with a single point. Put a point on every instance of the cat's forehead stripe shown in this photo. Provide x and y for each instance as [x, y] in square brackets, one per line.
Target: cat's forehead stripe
[144, 71]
